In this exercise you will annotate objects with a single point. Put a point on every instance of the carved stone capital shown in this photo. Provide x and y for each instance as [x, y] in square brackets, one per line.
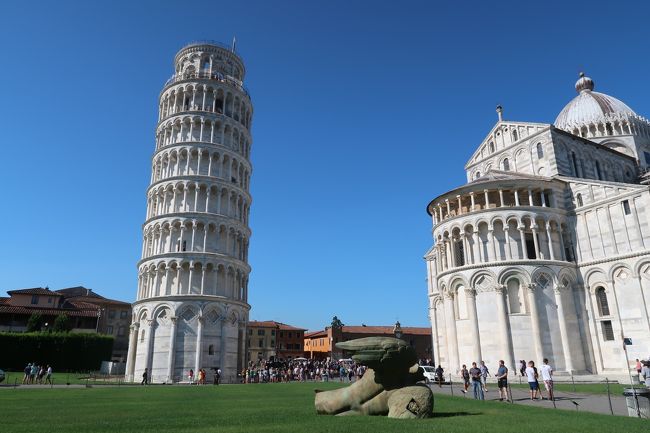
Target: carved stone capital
[531, 287]
[500, 288]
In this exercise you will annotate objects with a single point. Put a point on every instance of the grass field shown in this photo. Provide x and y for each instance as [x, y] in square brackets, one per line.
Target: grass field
[266, 408]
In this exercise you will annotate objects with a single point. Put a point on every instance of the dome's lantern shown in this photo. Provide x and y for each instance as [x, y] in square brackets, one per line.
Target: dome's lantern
[584, 84]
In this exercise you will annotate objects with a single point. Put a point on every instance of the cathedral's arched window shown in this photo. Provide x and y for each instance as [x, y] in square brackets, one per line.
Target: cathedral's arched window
[601, 299]
[540, 151]
[506, 165]
[514, 296]
[491, 147]
[579, 199]
[598, 174]
[514, 135]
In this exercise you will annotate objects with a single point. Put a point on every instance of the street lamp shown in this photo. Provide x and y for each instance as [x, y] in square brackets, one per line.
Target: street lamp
[397, 330]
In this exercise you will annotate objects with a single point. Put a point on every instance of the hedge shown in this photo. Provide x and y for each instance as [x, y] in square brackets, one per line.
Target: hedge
[64, 351]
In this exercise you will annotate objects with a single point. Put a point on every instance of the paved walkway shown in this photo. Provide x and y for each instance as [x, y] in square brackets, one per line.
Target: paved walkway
[597, 403]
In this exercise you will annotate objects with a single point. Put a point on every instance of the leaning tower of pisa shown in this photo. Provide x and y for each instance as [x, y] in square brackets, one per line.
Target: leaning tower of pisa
[191, 308]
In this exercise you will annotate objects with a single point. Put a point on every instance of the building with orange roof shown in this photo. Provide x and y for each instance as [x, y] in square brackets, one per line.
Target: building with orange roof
[273, 340]
[86, 310]
[322, 344]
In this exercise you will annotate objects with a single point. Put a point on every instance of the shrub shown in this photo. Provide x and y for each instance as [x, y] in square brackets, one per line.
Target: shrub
[63, 351]
[61, 323]
[34, 322]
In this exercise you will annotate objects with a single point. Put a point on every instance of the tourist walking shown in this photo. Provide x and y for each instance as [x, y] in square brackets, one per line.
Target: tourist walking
[439, 375]
[477, 387]
[547, 377]
[502, 380]
[33, 373]
[27, 370]
[145, 377]
[645, 372]
[464, 372]
[48, 375]
[522, 367]
[531, 374]
[484, 375]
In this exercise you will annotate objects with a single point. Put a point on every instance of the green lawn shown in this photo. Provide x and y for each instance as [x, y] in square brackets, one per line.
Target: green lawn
[266, 408]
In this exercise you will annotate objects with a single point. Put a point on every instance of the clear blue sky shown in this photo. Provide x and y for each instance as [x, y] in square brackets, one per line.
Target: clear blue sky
[364, 111]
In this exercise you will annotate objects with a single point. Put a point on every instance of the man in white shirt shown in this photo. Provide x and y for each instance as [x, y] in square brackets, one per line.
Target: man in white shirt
[531, 373]
[547, 377]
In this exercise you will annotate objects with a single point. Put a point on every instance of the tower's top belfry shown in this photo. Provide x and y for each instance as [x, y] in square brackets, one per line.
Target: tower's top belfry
[210, 59]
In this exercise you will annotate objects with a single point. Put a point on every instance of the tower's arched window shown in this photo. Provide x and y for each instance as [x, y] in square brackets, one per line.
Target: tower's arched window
[601, 299]
[478, 174]
[461, 304]
[598, 174]
[206, 65]
[506, 165]
[211, 349]
[579, 199]
[142, 336]
[540, 151]
[514, 298]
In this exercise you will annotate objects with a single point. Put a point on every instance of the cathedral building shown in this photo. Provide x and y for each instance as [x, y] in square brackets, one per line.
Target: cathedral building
[545, 251]
[192, 302]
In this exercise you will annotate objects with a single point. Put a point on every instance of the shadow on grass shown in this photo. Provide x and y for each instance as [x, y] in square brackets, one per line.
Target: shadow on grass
[452, 414]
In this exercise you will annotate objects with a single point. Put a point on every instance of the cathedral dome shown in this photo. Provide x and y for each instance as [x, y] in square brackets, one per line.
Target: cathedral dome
[590, 107]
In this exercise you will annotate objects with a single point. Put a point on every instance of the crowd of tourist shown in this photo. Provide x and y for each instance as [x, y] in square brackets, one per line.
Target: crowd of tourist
[302, 370]
[37, 374]
[476, 377]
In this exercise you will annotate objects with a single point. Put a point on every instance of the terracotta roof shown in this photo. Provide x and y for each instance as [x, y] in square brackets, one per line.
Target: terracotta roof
[81, 312]
[285, 327]
[385, 330]
[262, 324]
[81, 305]
[273, 324]
[34, 291]
[4, 300]
[314, 334]
[87, 295]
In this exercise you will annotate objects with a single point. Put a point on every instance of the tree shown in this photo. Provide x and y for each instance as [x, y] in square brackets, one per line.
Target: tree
[61, 323]
[34, 322]
[336, 322]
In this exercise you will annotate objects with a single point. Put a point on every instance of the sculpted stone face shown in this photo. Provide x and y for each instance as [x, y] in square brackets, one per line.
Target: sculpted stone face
[389, 386]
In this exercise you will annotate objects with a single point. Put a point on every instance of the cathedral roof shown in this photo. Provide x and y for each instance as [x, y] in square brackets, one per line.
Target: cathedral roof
[590, 107]
[493, 175]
